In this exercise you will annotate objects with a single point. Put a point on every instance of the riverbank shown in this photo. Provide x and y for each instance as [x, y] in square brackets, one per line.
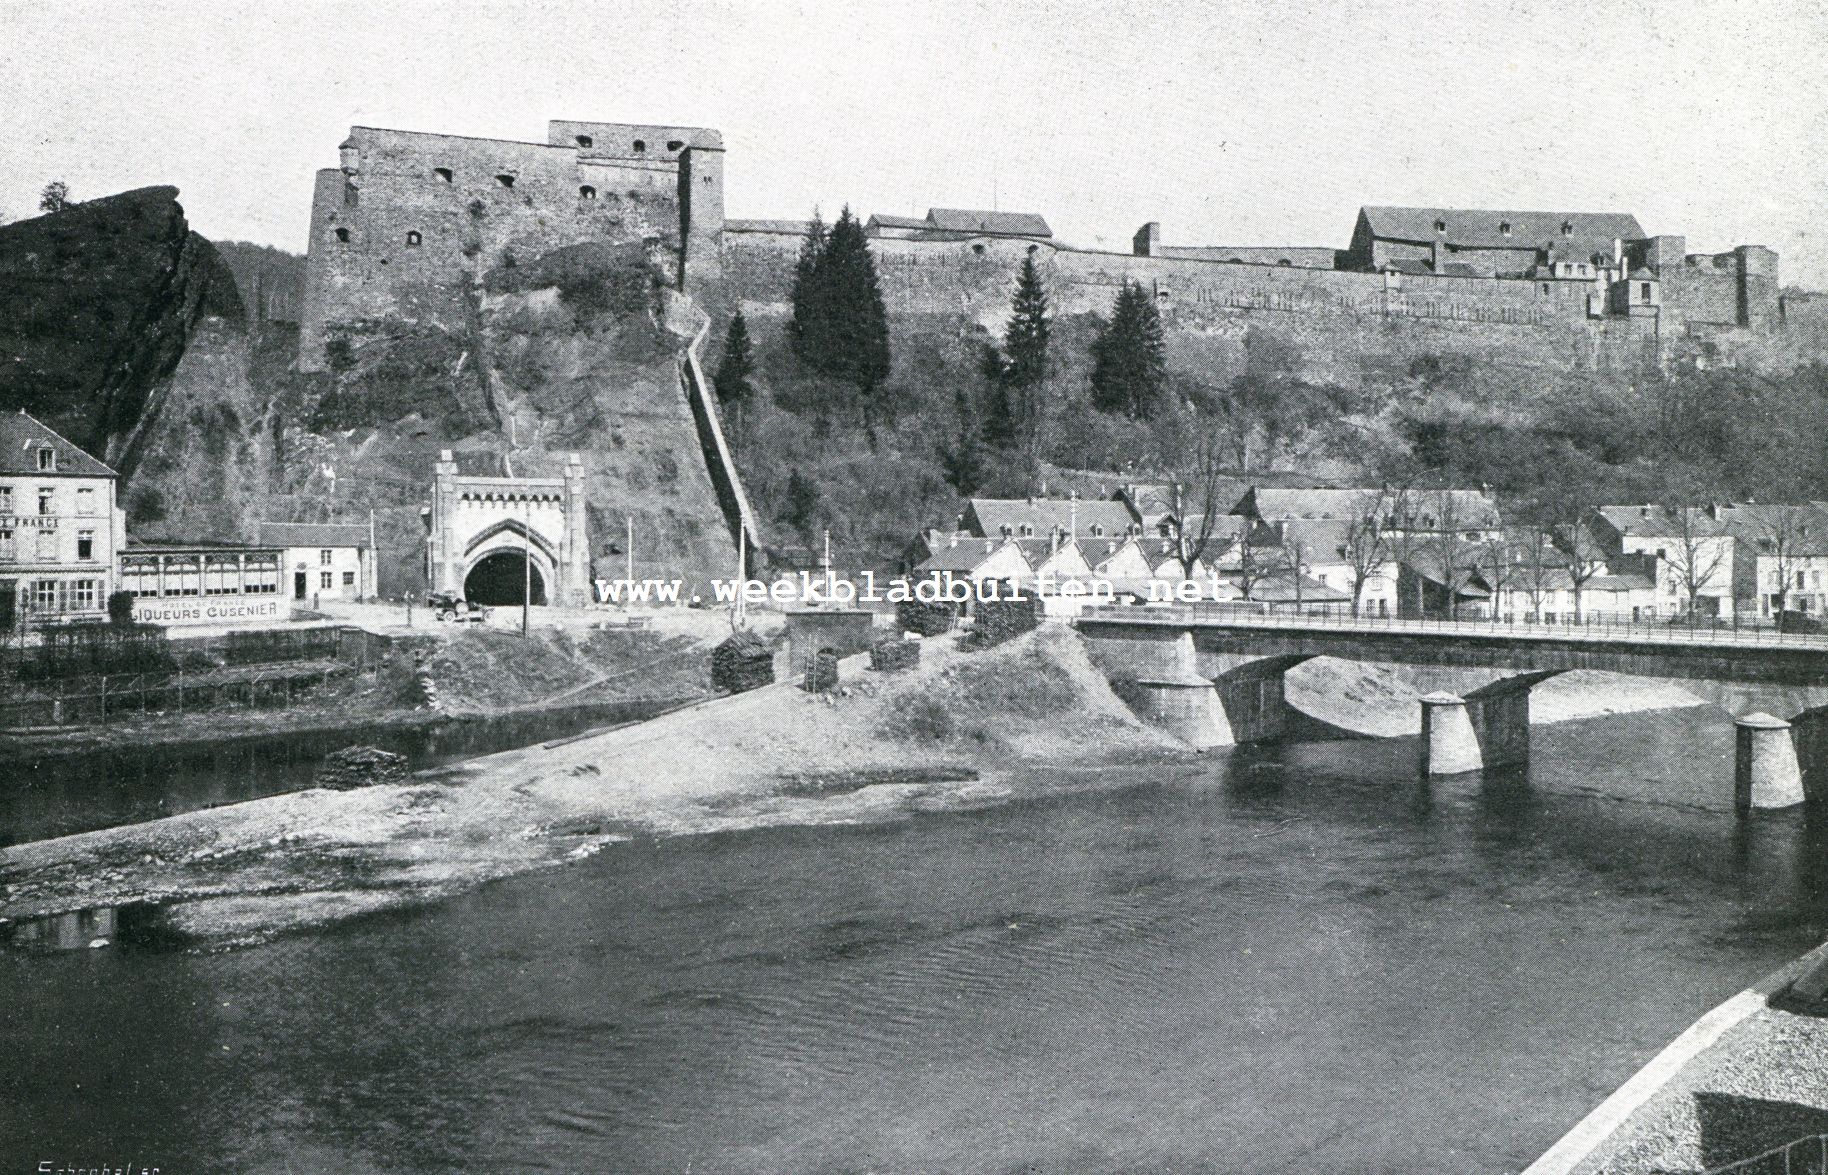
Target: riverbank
[245, 873]
[432, 675]
[1750, 1076]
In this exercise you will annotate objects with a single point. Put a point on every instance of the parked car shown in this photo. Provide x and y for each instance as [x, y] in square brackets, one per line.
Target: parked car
[455, 609]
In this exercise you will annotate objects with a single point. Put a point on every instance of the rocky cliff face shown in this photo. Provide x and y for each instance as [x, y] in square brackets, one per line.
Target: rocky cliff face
[124, 330]
[97, 306]
[560, 352]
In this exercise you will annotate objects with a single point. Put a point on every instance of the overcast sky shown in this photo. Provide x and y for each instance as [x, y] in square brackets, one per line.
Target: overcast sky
[1235, 124]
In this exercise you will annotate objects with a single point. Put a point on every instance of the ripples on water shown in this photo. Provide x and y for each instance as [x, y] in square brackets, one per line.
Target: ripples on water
[1293, 959]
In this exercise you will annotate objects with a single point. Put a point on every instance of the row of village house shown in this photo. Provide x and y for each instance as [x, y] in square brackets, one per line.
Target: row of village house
[64, 549]
[1379, 552]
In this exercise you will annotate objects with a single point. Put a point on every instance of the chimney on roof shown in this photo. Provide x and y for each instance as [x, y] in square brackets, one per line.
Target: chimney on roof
[1643, 511]
[954, 541]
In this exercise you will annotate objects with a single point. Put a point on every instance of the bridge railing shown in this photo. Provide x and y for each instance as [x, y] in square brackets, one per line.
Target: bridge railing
[1593, 628]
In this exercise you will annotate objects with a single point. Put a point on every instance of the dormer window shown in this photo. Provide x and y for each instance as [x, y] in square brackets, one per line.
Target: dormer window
[1505, 228]
[1440, 226]
[586, 192]
[1028, 531]
[1097, 530]
[342, 234]
[414, 240]
[443, 174]
[640, 146]
[505, 180]
[1567, 228]
[586, 141]
[674, 144]
[47, 459]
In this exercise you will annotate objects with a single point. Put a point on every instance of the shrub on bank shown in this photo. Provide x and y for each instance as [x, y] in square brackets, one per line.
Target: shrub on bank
[1005, 619]
[893, 655]
[924, 618]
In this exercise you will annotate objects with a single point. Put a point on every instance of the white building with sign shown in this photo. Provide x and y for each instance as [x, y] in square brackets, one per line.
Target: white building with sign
[59, 526]
[324, 560]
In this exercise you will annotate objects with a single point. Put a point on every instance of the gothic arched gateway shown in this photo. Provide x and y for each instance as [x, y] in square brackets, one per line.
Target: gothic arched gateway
[482, 532]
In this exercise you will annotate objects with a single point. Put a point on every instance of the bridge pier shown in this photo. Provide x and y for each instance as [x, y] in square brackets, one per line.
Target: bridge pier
[1766, 771]
[1155, 671]
[1185, 705]
[1254, 697]
[1449, 745]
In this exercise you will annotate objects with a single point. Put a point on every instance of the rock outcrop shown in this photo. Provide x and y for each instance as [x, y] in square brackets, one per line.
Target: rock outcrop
[98, 304]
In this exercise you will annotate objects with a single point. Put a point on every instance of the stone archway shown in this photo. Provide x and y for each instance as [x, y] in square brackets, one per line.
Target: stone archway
[500, 578]
[482, 531]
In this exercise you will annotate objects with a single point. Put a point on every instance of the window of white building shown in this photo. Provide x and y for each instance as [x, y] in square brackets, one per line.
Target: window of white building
[45, 550]
[85, 500]
[47, 498]
[85, 545]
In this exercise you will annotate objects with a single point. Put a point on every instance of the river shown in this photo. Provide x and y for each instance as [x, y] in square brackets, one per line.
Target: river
[1296, 958]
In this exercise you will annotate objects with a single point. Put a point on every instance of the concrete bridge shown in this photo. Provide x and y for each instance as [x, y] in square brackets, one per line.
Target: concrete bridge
[1214, 676]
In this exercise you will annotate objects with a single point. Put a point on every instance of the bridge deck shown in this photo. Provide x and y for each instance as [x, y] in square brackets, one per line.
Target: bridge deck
[1208, 616]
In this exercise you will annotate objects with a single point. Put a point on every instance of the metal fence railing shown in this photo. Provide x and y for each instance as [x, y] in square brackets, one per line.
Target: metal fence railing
[1590, 628]
[88, 701]
[1801, 1156]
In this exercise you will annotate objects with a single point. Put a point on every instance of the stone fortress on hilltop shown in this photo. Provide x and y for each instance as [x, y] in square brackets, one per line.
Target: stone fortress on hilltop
[407, 213]
[396, 227]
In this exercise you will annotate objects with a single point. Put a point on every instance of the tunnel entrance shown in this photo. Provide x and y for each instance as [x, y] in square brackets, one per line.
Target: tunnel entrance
[499, 580]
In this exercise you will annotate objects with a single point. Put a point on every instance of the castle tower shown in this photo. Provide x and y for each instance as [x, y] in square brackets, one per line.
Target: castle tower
[701, 215]
[1758, 287]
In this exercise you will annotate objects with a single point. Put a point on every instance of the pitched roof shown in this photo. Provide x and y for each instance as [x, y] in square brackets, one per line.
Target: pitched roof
[314, 534]
[880, 220]
[1660, 521]
[968, 555]
[1281, 589]
[976, 220]
[1473, 228]
[1802, 529]
[21, 437]
[1472, 509]
[1043, 515]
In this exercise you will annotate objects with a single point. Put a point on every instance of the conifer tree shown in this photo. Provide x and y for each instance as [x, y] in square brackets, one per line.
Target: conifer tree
[802, 504]
[847, 336]
[807, 293]
[1129, 360]
[1013, 410]
[55, 197]
[737, 364]
[733, 371]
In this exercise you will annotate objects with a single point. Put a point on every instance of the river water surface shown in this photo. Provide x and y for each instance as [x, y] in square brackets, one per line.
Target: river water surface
[1300, 959]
